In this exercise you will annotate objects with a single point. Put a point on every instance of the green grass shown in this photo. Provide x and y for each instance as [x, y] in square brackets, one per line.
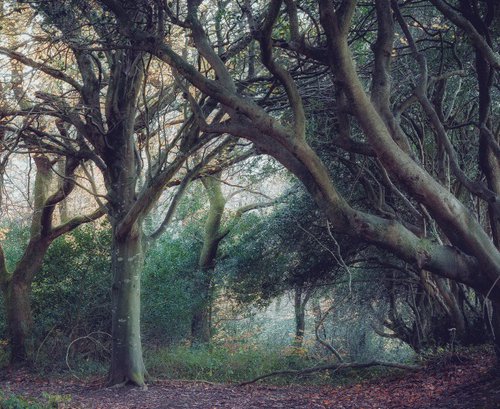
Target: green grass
[222, 364]
[48, 401]
[235, 363]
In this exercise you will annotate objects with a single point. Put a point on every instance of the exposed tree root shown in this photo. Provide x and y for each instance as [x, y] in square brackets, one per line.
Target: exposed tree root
[331, 366]
[118, 385]
[127, 382]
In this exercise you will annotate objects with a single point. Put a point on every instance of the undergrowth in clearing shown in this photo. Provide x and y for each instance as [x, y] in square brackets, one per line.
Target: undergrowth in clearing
[223, 365]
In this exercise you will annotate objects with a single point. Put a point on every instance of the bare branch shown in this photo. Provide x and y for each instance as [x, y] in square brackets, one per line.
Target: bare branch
[336, 367]
[477, 40]
[55, 73]
[76, 222]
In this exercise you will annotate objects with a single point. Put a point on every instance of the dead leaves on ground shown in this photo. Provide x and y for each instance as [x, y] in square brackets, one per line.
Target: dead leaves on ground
[463, 383]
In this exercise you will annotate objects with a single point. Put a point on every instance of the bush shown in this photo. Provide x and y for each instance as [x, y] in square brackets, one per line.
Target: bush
[71, 294]
[48, 401]
[167, 289]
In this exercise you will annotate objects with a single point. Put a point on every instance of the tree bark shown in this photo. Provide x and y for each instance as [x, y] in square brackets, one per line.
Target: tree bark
[472, 259]
[17, 285]
[300, 318]
[127, 365]
[19, 322]
[495, 330]
[200, 323]
[17, 293]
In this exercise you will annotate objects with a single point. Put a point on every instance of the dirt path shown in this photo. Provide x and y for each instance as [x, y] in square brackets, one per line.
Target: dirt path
[461, 384]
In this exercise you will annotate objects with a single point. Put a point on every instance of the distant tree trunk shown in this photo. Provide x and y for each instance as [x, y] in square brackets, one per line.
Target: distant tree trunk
[301, 298]
[200, 322]
[17, 285]
[300, 319]
[454, 312]
[495, 329]
[319, 319]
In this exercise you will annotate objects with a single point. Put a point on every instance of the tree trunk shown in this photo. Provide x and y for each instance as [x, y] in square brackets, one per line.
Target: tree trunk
[19, 321]
[17, 288]
[127, 365]
[495, 330]
[300, 318]
[200, 323]
[455, 314]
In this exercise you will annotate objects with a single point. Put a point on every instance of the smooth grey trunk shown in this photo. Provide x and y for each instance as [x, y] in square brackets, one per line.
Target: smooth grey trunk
[17, 294]
[16, 284]
[127, 364]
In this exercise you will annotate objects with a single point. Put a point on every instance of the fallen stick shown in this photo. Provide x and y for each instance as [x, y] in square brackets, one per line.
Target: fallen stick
[331, 366]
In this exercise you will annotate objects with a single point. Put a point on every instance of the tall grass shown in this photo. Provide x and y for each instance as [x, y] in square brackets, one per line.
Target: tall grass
[222, 364]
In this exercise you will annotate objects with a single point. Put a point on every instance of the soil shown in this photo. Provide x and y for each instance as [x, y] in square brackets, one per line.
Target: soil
[455, 382]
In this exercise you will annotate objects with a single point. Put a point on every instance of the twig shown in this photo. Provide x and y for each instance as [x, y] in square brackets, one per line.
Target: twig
[88, 336]
[43, 342]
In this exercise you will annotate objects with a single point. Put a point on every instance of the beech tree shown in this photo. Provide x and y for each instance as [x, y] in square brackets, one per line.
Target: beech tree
[50, 190]
[216, 229]
[464, 248]
[16, 284]
[117, 118]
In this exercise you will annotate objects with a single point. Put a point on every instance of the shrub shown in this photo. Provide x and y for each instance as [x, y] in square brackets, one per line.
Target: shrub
[167, 289]
[48, 401]
[71, 294]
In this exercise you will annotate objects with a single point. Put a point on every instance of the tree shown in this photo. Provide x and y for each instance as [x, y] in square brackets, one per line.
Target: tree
[468, 254]
[425, 311]
[374, 117]
[215, 232]
[115, 117]
[16, 284]
[45, 228]
[291, 251]
[200, 322]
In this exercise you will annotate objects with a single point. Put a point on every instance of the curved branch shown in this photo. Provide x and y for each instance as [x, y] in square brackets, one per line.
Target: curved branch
[477, 40]
[53, 72]
[76, 222]
[239, 214]
[335, 367]
[266, 47]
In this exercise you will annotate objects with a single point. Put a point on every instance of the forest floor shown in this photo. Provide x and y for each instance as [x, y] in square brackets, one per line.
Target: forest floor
[450, 382]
